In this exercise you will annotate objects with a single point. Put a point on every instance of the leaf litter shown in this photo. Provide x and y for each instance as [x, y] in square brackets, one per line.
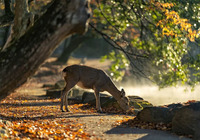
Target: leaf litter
[29, 120]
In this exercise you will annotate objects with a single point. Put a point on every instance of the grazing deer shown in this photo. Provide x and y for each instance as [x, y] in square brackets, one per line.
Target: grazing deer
[91, 78]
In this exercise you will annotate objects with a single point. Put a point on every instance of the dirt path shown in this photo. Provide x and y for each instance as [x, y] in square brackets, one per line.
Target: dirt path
[103, 126]
[30, 104]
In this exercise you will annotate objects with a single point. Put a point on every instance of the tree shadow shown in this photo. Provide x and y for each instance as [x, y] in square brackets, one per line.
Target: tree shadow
[61, 115]
[46, 103]
[145, 134]
[31, 104]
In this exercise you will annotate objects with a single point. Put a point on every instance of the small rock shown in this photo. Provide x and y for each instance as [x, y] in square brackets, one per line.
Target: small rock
[110, 102]
[89, 97]
[54, 93]
[48, 86]
[60, 84]
[76, 93]
[138, 102]
[135, 97]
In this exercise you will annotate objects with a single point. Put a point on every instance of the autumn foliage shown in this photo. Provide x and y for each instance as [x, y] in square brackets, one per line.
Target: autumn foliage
[42, 119]
[172, 21]
[30, 120]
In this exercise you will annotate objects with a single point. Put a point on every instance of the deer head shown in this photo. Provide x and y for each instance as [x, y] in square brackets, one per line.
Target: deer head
[123, 101]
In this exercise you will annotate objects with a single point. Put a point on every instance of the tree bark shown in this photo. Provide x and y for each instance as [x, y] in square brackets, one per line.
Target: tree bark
[20, 24]
[23, 57]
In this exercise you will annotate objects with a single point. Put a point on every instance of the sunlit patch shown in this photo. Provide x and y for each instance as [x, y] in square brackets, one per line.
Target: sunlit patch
[40, 119]
[45, 129]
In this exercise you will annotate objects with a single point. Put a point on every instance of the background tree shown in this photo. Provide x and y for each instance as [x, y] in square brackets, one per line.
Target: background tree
[73, 43]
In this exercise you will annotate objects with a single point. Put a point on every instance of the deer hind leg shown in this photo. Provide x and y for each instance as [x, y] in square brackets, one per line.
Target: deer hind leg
[64, 95]
[98, 104]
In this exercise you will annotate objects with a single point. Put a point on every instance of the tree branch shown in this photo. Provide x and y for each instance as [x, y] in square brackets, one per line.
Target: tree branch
[117, 46]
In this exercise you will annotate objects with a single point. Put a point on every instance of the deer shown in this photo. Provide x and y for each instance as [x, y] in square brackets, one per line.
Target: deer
[91, 78]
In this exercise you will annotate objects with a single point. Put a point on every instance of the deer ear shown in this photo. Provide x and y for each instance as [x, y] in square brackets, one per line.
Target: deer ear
[123, 92]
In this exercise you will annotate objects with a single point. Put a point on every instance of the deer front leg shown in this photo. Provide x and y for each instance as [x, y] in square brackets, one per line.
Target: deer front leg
[98, 104]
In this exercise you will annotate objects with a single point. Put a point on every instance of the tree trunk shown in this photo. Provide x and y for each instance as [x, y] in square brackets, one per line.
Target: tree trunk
[23, 57]
[75, 43]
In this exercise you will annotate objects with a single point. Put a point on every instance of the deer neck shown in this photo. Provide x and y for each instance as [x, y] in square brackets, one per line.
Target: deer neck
[112, 89]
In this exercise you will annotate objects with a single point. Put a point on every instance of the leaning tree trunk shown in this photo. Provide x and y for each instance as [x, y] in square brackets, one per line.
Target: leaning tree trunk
[23, 57]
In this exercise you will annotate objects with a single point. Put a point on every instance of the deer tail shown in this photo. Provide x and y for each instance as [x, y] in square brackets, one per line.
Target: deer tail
[64, 72]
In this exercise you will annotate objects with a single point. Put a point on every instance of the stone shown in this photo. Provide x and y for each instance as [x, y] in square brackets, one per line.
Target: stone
[197, 133]
[73, 93]
[48, 86]
[159, 114]
[187, 120]
[53, 93]
[111, 102]
[89, 97]
[155, 114]
[135, 98]
[138, 102]
[59, 84]
[135, 101]
[174, 106]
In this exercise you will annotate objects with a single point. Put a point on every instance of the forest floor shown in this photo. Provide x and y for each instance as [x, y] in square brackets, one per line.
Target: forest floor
[29, 114]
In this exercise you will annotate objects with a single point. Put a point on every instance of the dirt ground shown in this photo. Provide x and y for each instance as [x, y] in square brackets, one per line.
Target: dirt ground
[29, 103]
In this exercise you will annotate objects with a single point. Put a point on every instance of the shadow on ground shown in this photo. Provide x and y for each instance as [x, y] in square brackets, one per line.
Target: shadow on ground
[145, 134]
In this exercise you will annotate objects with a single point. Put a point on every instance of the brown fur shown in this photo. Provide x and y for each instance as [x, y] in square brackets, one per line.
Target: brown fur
[91, 78]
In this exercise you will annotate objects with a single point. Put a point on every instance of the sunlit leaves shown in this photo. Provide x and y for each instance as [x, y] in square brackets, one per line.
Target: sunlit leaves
[134, 122]
[31, 120]
[173, 20]
[46, 129]
[118, 66]
[2, 6]
[158, 31]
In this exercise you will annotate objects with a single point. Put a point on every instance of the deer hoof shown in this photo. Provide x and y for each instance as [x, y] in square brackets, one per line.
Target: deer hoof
[67, 110]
